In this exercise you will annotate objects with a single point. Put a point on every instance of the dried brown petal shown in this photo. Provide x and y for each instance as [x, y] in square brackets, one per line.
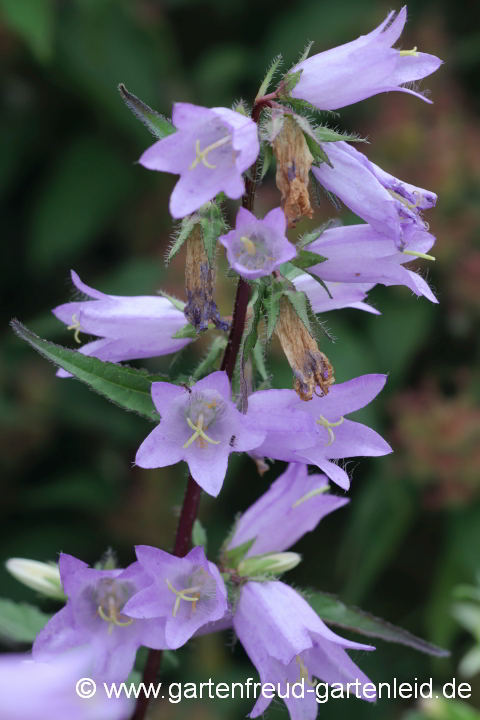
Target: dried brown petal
[294, 161]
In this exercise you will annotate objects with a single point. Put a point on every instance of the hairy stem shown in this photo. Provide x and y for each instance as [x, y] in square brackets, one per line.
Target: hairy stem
[193, 493]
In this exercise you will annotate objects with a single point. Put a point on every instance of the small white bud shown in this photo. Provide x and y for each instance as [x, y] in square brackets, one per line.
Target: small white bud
[42, 577]
[274, 563]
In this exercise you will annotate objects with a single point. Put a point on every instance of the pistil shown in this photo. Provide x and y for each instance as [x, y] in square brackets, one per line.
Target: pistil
[328, 425]
[202, 154]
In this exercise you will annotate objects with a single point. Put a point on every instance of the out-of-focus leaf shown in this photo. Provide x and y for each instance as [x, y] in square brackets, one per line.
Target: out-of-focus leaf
[76, 203]
[125, 386]
[34, 21]
[335, 612]
[236, 555]
[199, 535]
[21, 622]
[158, 125]
[267, 159]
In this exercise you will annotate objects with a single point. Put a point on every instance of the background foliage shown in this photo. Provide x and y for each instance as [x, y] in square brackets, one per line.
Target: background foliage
[72, 197]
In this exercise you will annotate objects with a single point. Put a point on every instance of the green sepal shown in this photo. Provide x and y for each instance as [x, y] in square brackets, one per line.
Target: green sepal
[306, 259]
[268, 77]
[176, 302]
[319, 154]
[290, 80]
[234, 556]
[213, 225]
[267, 159]
[326, 134]
[186, 228]
[127, 387]
[156, 123]
[310, 237]
[305, 53]
[301, 305]
[259, 361]
[199, 535]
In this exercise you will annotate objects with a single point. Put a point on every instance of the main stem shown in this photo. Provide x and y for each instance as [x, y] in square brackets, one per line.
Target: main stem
[191, 501]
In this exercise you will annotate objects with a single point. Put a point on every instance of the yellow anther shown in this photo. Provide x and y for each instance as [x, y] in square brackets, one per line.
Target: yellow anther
[249, 245]
[409, 52]
[77, 327]
[328, 425]
[404, 201]
[311, 494]
[112, 618]
[304, 671]
[418, 254]
[201, 155]
[183, 595]
[199, 433]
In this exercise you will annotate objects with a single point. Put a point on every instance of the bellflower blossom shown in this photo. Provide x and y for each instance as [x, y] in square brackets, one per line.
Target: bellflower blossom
[200, 425]
[94, 616]
[187, 592]
[389, 205]
[257, 247]
[292, 506]
[357, 254]
[335, 436]
[210, 151]
[344, 295]
[362, 68]
[39, 691]
[288, 643]
[130, 328]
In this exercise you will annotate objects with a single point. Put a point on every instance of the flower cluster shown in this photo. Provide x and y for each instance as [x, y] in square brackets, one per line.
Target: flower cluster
[161, 600]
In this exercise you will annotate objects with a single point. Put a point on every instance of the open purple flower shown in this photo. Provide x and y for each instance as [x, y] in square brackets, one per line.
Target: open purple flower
[362, 68]
[358, 254]
[130, 328]
[294, 504]
[210, 151]
[257, 247]
[390, 206]
[288, 643]
[94, 616]
[187, 592]
[344, 295]
[42, 691]
[200, 425]
[335, 437]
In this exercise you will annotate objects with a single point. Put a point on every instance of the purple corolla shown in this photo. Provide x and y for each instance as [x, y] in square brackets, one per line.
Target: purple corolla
[187, 592]
[130, 328]
[362, 68]
[288, 643]
[93, 616]
[210, 151]
[257, 247]
[392, 207]
[200, 425]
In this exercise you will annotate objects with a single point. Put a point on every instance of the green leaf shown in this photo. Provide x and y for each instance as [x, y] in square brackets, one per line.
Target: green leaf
[306, 259]
[259, 361]
[211, 361]
[170, 660]
[267, 160]
[179, 304]
[33, 21]
[271, 304]
[186, 228]
[313, 235]
[156, 123]
[301, 306]
[236, 555]
[128, 388]
[249, 341]
[21, 622]
[320, 282]
[213, 225]
[334, 612]
[268, 77]
[319, 154]
[289, 81]
[187, 331]
[326, 134]
[199, 535]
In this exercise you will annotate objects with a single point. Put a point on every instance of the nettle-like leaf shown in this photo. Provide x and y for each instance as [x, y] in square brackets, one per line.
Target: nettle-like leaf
[307, 259]
[127, 387]
[213, 225]
[334, 612]
[271, 303]
[326, 134]
[156, 123]
[21, 622]
[276, 62]
[313, 235]
[185, 229]
[301, 305]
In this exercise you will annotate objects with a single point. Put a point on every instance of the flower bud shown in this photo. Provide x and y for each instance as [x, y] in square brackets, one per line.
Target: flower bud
[311, 368]
[199, 285]
[42, 577]
[273, 564]
[294, 161]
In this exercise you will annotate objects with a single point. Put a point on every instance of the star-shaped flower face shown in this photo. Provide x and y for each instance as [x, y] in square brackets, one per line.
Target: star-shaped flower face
[257, 247]
[200, 425]
[210, 151]
[188, 592]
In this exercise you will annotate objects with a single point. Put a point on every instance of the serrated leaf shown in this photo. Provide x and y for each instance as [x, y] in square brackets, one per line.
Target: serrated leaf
[236, 555]
[186, 228]
[313, 235]
[326, 134]
[199, 535]
[320, 282]
[179, 304]
[301, 305]
[209, 362]
[333, 611]
[289, 81]
[21, 622]
[271, 304]
[249, 341]
[268, 77]
[267, 160]
[213, 225]
[259, 361]
[156, 123]
[127, 387]
[317, 151]
[306, 259]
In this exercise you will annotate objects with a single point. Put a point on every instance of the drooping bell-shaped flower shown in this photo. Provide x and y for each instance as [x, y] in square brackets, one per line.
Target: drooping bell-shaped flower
[392, 207]
[342, 295]
[94, 616]
[210, 151]
[130, 328]
[288, 643]
[362, 68]
[257, 247]
[201, 426]
[187, 592]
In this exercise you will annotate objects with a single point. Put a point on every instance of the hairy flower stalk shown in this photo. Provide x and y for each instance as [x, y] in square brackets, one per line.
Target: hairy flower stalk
[311, 368]
[200, 284]
[294, 161]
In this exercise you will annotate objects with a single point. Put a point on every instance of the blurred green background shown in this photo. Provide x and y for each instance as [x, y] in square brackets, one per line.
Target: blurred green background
[72, 196]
